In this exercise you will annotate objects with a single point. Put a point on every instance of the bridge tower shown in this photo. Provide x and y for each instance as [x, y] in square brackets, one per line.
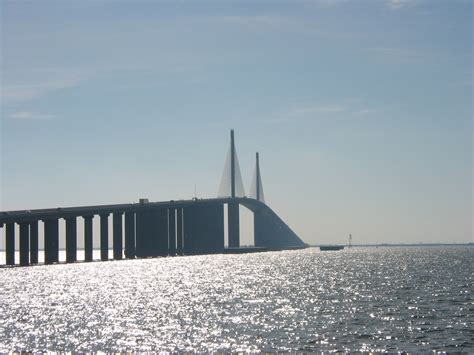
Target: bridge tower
[232, 164]
[233, 217]
[256, 188]
[231, 186]
[262, 237]
[257, 168]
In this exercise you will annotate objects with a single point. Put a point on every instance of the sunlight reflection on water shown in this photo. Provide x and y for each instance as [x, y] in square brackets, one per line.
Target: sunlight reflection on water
[359, 299]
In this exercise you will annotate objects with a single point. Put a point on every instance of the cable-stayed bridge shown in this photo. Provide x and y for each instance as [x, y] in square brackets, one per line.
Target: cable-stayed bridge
[151, 229]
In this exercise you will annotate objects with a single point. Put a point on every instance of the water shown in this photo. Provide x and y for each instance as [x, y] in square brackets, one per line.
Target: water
[385, 299]
[61, 256]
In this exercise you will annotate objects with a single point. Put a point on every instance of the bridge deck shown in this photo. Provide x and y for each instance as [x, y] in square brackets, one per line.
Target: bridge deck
[149, 229]
[63, 212]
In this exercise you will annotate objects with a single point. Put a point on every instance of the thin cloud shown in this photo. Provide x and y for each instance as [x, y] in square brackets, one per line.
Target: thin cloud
[366, 111]
[294, 25]
[352, 100]
[326, 3]
[28, 115]
[349, 108]
[302, 110]
[260, 22]
[397, 53]
[392, 4]
[398, 4]
[30, 91]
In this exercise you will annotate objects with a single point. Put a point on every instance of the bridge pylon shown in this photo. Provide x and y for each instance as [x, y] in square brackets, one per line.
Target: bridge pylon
[231, 182]
[256, 187]
[151, 229]
[232, 186]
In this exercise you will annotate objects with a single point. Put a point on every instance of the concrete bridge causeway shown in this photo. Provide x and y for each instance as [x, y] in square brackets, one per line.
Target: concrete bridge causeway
[151, 229]
[183, 227]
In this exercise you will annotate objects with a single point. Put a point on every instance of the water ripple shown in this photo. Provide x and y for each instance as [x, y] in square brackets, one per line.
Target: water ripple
[363, 299]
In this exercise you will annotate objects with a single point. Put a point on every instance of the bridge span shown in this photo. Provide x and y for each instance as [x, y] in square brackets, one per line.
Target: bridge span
[184, 227]
[150, 229]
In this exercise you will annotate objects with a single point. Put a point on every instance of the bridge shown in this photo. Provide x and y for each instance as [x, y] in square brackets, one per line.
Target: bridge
[152, 229]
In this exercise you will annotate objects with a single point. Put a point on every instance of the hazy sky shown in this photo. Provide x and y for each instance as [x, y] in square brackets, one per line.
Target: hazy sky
[361, 111]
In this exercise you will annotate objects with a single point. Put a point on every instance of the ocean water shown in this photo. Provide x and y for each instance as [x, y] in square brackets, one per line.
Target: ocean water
[362, 299]
[61, 256]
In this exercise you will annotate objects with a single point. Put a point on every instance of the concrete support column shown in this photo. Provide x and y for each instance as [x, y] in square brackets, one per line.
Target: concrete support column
[88, 240]
[200, 232]
[218, 227]
[203, 228]
[10, 243]
[233, 224]
[129, 235]
[188, 238]
[151, 232]
[117, 235]
[71, 239]
[179, 231]
[142, 245]
[24, 243]
[172, 231]
[51, 241]
[159, 232]
[208, 228]
[259, 233]
[104, 237]
[34, 242]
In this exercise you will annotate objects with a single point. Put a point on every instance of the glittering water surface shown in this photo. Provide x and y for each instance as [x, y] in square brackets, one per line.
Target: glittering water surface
[360, 299]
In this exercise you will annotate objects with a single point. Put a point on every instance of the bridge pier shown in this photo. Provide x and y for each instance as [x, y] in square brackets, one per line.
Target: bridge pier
[200, 235]
[117, 235]
[10, 243]
[24, 243]
[172, 231]
[51, 241]
[152, 233]
[210, 225]
[161, 234]
[129, 235]
[188, 222]
[71, 239]
[204, 221]
[203, 229]
[179, 231]
[34, 242]
[188, 232]
[259, 233]
[217, 228]
[88, 240]
[141, 242]
[233, 224]
[104, 236]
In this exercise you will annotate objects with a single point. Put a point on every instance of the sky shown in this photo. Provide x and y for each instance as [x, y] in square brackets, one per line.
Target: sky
[361, 110]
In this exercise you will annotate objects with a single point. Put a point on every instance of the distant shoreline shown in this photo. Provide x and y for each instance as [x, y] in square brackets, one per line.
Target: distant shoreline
[401, 245]
[353, 245]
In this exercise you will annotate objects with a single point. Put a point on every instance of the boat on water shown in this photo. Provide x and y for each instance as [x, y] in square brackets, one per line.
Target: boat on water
[331, 247]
